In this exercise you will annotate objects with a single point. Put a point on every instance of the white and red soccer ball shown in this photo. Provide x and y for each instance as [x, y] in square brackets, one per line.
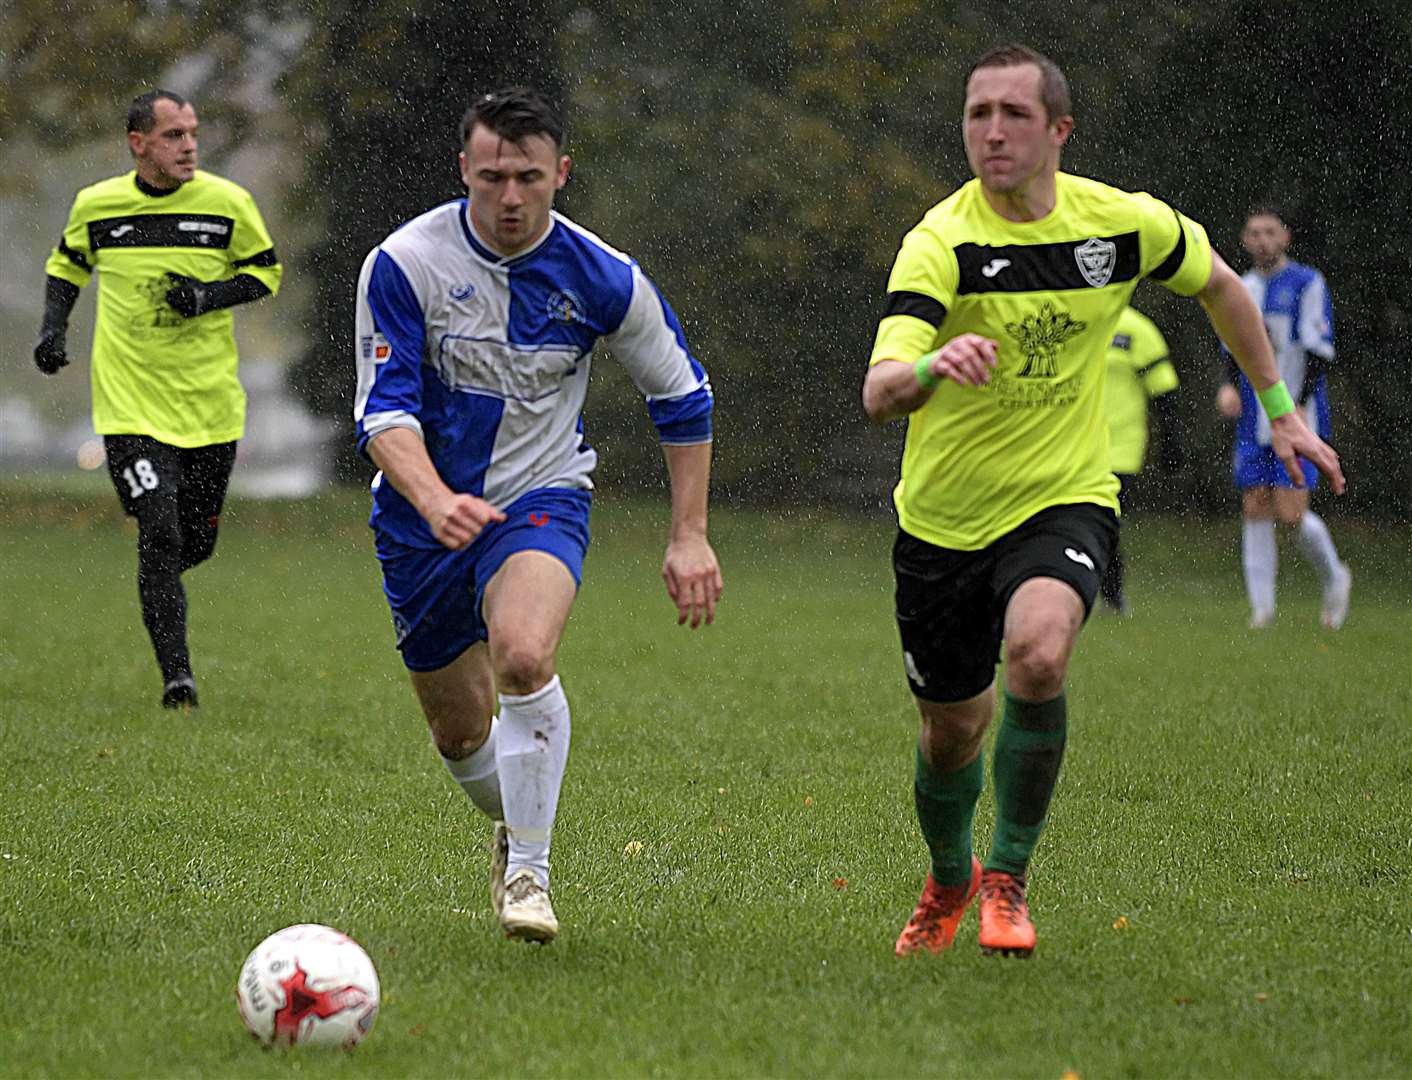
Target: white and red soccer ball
[310, 985]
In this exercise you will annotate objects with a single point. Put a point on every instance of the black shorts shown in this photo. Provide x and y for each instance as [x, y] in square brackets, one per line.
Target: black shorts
[951, 604]
[152, 476]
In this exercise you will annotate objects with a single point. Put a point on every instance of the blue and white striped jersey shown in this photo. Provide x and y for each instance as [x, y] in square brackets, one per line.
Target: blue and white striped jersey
[487, 357]
[1299, 318]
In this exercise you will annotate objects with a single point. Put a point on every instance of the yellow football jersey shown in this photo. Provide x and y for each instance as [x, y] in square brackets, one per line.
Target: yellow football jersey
[155, 372]
[978, 461]
[1137, 370]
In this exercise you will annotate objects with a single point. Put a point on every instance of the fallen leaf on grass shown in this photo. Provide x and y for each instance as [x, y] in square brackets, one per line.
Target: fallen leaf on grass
[633, 849]
[1121, 923]
[808, 800]
[107, 751]
[1262, 998]
[840, 883]
[1181, 1001]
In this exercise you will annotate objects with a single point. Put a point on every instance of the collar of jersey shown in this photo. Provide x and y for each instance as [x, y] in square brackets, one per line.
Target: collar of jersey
[484, 253]
[155, 192]
[1060, 180]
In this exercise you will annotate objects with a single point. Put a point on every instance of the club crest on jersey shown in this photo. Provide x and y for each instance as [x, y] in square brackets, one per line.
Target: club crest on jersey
[375, 348]
[564, 305]
[463, 292]
[1096, 259]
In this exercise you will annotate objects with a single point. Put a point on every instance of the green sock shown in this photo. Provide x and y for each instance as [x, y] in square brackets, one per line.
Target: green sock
[1028, 750]
[946, 807]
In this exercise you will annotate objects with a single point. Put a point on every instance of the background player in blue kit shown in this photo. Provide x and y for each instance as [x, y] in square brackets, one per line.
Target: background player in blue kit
[1294, 300]
[475, 326]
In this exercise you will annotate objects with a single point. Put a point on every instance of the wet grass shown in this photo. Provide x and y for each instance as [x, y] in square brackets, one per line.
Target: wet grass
[1221, 891]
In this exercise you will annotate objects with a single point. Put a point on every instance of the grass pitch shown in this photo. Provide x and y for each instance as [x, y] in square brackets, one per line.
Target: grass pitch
[1222, 889]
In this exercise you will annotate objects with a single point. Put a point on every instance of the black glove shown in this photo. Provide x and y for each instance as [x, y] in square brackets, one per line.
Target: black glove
[49, 355]
[188, 296]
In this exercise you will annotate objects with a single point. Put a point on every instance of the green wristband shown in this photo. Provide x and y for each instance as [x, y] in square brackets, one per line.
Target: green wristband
[1276, 400]
[925, 379]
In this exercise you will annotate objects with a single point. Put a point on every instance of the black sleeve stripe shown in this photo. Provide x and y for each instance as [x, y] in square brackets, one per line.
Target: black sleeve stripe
[264, 258]
[918, 305]
[75, 257]
[1173, 262]
[1156, 363]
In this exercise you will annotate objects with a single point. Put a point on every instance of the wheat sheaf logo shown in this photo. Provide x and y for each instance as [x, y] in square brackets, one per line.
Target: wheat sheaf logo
[1041, 336]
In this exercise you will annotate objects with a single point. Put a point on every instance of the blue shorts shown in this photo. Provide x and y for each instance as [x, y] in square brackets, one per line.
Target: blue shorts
[1258, 466]
[435, 593]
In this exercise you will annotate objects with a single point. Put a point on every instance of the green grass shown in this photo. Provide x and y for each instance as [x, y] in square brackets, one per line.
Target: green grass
[1222, 889]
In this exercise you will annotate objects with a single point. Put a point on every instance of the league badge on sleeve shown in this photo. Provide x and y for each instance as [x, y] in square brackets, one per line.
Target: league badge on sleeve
[375, 347]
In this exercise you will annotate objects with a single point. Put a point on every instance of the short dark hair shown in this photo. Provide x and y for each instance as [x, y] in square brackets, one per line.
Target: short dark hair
[142, 113]
[514, 113]
[1053, 86]
[1268, 209]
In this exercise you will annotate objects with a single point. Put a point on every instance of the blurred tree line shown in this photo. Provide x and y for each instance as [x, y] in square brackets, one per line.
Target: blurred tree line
[763, 158]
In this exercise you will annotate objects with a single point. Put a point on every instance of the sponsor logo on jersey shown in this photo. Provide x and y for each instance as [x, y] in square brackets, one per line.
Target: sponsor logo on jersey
[994, 267]
[1096, 259]
[462, 292]
[564, 305]
[217, 227]
[1079, 557]
[539, 520]
[1123, 341]
[1042, 336]
[121, 230]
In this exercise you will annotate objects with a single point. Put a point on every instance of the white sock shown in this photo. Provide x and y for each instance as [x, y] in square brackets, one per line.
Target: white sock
[1260, 558]
[478, 777]
[530, 753]
[1317, 545]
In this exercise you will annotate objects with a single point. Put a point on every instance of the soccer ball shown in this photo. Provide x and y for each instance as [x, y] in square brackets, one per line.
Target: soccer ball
[308, 984]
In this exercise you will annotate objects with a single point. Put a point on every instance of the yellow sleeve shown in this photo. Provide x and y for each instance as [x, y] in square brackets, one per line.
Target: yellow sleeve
[920, 291]
[1176, 251]
[72, 259]
[252, 251]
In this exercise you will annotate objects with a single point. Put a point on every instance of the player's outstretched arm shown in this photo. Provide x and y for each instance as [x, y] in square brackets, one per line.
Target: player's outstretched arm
[690, 569]
[1237, 322]
[894, 388]
[455, 519]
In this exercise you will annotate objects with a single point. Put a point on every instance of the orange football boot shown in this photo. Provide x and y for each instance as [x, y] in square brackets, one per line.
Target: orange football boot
[1006, 929]
[938, 913]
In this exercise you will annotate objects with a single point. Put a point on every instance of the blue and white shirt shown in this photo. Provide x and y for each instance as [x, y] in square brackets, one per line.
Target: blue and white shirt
[487, 357]
[1299, 318]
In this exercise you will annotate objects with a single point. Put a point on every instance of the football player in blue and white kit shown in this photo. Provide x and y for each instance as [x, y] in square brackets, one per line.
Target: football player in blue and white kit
[1294, 299]
[476, 323]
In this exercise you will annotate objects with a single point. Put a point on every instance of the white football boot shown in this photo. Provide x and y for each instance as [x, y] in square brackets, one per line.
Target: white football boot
[525, 912]
[1336, 597]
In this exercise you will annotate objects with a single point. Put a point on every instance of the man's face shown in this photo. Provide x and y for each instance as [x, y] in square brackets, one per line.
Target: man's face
[166, 155]
[1008, 135]
[512, 186]
[1266, 239]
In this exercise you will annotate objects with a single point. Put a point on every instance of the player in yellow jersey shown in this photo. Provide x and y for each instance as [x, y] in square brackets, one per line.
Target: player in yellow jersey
[1000, 306]
[1138, 374]
[174, 248]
